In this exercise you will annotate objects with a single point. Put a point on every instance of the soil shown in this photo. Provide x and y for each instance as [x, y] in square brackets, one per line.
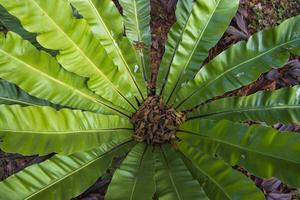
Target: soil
[253, 16]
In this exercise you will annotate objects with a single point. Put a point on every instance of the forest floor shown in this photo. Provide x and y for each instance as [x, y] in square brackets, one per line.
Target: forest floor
[253, 16]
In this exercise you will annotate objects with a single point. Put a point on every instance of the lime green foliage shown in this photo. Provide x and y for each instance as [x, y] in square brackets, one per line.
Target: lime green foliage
[70, 85]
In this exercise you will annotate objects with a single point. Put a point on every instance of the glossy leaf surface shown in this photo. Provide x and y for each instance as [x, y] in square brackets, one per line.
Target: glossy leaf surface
[61, 177]
[99, 15]
[13, 24]
[135, 178]
[263, 151]
[271, 107]
[183, 9]
[42, 130]
[11, 94]
[79, 50]
[47, 79]
[206, 24]
[173, 180]
[137, 27]
[217, 178]
[242, 64]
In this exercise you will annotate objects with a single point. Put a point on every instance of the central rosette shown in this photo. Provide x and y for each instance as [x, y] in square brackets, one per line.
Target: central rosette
[155, 122]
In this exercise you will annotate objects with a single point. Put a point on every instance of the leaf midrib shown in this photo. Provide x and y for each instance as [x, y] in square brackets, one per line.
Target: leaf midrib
[94, 100]
[66, 132]
[141, 54]
[194, 48]
[173, 53]
[76, 170]
[17, 101]
[236, 110]
[137, 20]
[170, 174]
[82, 54]
[231, 69]
[118, 50]
[240, 147]
[211, 178]
[216, 183]
[66, 176]
[136, 175]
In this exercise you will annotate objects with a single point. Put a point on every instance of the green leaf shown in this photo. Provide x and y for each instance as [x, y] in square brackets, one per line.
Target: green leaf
[79, 50]
[137, 26]
[206, 24]
[47, 79]
[42, 130]
[11, 94]
[13, 24]
[242, 64]
[135, 177]
[183, 9]
[103, 17]
[263, 151]
[173, 180]
[218, 179]
[271, 107]
[61, 177]
[99, 15]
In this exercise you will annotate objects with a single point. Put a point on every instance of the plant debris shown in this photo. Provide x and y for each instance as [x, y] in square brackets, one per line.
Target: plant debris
[268, 13]
[162, 18]
[13, 163]
[156, 123]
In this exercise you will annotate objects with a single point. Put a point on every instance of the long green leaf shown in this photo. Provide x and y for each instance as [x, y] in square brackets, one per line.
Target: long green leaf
[242, 64]
[137, 26]
[61, 177]
[13, 24]
[99, 15]
[11, 94]
[79, 50]
[205, 26]
[218, 179]
[38, 73]
[42, 130]
[271, 107]
[183, 9]
[103, 17]
[173, 180]
[263, 151]
[134, 179]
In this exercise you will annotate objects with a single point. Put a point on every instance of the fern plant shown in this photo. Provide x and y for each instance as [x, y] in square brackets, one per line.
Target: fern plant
[73, 84]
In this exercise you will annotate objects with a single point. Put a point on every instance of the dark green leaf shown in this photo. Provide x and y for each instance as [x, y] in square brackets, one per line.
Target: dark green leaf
[173, 180]
[137, 26]
[206, 24]
[218, 179]
[183, 10]
[263, 151]
[134, 179]
[61, 177]
[13, 24]
[271, 107]
[11, 94]
[242, 64]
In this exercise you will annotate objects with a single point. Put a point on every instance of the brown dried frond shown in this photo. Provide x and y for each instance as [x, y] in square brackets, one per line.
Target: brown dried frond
[156, 123]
